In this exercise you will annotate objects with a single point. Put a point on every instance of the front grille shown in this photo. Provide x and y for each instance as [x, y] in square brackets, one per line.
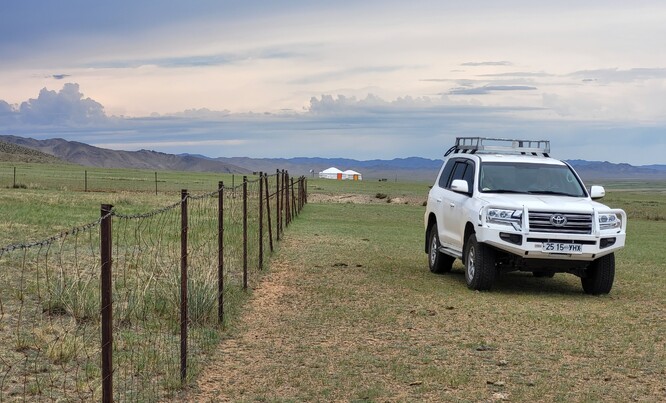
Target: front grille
[575, 223]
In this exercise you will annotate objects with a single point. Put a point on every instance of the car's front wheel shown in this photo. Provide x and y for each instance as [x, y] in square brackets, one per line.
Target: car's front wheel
[599, 275]
[480, 270]
[438, 262]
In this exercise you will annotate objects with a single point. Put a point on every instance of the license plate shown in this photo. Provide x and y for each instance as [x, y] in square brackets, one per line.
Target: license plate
[554, 247]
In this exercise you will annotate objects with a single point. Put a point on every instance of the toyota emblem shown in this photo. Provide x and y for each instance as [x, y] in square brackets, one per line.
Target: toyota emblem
[558, 220]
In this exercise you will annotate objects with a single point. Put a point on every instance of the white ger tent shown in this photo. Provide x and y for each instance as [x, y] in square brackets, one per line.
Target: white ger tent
[352, 175]
[331, 173]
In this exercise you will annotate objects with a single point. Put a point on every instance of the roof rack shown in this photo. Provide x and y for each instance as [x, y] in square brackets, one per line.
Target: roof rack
[473, 145]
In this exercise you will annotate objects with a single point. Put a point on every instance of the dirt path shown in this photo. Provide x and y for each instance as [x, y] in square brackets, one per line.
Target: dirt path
[241, 362]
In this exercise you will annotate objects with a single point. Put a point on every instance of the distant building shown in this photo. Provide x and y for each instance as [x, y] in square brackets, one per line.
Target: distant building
[335, 173]
[331, 173]
[352, 175]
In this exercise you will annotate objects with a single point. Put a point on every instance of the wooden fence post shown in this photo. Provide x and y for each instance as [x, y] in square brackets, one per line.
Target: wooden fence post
[261, 222]
[220, 252]
[244, 232]
[183, 285]
[268, 212]
[106, 249]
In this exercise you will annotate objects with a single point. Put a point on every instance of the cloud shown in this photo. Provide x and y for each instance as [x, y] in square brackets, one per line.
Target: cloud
[487, 89]
[202, 60]
[66, 107]
[517, 74]
[338, 126]
[476, 64]
[618, 75]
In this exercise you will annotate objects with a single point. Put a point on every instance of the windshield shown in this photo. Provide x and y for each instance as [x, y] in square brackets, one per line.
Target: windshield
[505, 177]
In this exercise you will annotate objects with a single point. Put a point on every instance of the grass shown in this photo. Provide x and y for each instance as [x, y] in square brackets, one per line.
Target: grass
[50, 299]
[350, 312]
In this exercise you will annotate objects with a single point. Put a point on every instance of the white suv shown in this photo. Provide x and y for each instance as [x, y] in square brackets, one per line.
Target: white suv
[505, 205]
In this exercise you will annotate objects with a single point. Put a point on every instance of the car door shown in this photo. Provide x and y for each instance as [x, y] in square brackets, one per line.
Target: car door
[453, 225]
[437, 194]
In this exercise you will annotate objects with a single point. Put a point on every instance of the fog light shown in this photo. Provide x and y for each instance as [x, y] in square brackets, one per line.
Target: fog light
[516, 239]
[606, 242]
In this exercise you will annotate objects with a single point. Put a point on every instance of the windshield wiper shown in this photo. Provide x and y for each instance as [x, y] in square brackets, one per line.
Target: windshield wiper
[504, 191]
[551, 192]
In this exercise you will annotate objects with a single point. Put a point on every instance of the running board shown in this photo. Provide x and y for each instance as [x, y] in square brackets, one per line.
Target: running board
[450, 252]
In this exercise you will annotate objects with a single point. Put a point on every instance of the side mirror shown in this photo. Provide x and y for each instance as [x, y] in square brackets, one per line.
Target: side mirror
[460, 186]
[597, 192]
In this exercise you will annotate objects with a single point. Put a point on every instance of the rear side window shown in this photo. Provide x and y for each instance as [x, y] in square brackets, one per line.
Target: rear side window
[446, 174]
[457, 168]
[463, 169]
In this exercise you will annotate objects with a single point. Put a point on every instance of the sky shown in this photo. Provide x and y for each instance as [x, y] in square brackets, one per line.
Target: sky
[364, 80]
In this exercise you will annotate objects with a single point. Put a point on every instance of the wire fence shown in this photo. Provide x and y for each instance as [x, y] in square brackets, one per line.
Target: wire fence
[92, 179]
[128, 307]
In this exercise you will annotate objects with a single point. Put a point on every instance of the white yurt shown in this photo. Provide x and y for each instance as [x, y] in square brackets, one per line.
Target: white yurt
[331, 173]
[352, 175]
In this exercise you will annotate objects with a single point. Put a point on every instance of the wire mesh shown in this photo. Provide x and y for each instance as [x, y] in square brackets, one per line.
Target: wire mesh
[50, 292]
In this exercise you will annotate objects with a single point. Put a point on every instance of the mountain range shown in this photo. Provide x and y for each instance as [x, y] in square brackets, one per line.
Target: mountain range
[413, 168]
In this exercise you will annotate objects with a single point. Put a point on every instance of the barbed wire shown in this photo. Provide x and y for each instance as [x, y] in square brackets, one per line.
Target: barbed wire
[51, 239]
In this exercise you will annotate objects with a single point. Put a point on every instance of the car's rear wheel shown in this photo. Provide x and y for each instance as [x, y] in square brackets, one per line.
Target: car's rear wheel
[480, 270]
[599, 276]
[438, 262]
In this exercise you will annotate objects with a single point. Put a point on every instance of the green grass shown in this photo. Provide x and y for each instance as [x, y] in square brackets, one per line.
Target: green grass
[349, 311]
[360, 318]
[70, 177]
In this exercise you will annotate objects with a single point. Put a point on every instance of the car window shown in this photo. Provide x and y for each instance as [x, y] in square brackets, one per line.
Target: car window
[463, 170]
[446, 174]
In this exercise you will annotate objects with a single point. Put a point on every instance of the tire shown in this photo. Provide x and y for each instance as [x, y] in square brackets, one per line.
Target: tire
[480, 270]
[599, 276]
[438, 262]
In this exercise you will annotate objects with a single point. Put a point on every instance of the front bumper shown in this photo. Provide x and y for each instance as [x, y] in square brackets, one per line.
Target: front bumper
[529, 244]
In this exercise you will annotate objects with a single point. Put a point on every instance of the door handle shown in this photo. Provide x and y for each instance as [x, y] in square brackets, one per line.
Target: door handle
[438, 200]
[452, 204]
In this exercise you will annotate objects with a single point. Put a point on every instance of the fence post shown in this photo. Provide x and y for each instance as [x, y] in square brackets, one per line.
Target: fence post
[106, 240]
[293, 199]
[261, 221]
[244, 232]
[278, 222]
[155, 183]
[287, 206]
[85, 181]
[220, 252]
[183, 285]
[268, 213]
[14, 184]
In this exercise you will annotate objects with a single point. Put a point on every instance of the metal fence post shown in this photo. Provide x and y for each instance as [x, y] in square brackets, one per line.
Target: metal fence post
[14, 184]
[106, 249]
[244, 232]
[183, 285]
[220, 252]
[85, 181]
[155, 183]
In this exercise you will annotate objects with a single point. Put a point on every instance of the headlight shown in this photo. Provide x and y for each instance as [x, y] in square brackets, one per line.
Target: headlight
[609, 221]
[505, 217]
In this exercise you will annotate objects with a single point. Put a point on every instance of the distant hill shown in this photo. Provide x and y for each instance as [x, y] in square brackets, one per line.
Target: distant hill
[84, 154]
[413, 168]
[15, 153]
[609, 171]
